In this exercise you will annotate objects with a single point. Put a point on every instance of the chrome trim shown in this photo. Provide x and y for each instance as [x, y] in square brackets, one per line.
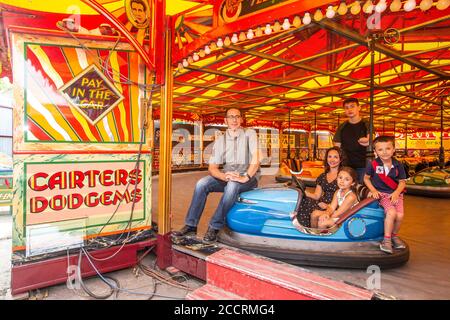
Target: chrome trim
[296, 172]
[314, 231]
[350, 223]
[247, 201]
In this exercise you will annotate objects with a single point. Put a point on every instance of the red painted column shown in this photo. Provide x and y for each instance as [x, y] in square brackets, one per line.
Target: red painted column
[164, 250]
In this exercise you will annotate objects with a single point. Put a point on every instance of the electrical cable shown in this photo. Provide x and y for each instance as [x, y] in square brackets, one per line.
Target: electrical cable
[163, 279]
[103, 64]
[125, 80]
[115, 286]
[134, 197]
[129, 224]
[155, 274]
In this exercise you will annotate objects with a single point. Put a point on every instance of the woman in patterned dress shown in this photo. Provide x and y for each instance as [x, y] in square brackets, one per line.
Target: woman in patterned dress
[326, 186]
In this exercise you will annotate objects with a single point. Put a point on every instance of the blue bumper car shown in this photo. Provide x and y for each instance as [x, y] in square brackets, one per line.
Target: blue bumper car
[260, 222]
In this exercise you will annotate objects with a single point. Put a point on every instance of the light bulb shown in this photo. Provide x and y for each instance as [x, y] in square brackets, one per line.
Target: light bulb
[190, 60]
[227, 41]
[426, 4]
[195, 56]
[207, 50]
[396, 5]
[276, 26]
[330, 12]
[342, 9]
[234, 38]
[307, 18]
[368, 7]
[242, 36]
[443, 4]
[268, 29]
[250, 34]
[185, 63]
[409, 5]
[201, 53]
[297, 22]
[381, 6]
[213, 46]
[356, 8]
[220, 43]
[318, 15]
[286, 25]
[180, 67]
[258, 32]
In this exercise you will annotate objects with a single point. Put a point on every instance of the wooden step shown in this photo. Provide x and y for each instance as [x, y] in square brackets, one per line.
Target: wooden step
[210, 292]
[260, 278]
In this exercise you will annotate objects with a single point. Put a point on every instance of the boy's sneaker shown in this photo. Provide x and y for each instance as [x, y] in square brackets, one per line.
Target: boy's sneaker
[398, 243]
[210, 235]
[386, 246]
[185, 231]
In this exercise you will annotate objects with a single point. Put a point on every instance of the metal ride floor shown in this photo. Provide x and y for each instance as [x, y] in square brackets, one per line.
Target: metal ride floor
[426, 228]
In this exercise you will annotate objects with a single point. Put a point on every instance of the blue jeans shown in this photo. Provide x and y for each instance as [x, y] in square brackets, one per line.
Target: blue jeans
[231, 191]
[361, 172]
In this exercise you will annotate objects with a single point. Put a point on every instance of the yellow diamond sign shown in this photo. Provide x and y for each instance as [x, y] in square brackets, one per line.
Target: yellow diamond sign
[92, 94]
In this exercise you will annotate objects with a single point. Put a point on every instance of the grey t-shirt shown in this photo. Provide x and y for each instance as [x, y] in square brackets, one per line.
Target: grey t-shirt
[239, 151]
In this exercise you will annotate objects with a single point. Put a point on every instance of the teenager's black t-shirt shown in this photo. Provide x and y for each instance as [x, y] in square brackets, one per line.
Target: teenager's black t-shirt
[348, 134]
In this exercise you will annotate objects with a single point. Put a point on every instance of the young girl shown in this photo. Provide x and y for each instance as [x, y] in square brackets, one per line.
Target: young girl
[343, 199]
[325, 188]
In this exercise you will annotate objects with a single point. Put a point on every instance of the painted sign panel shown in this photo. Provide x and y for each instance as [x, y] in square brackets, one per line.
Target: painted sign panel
[65, 191]
[422, 140]
[74, 169]
[75, 94]
[92, 94]
[94, 193]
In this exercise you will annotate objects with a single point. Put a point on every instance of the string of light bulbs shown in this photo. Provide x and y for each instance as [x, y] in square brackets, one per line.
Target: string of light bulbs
[342, 9]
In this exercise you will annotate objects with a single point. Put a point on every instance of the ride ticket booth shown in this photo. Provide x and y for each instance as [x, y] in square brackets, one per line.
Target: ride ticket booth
[82, 146]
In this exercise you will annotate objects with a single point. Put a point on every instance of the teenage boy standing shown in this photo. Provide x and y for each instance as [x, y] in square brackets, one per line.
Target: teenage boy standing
[352, 137]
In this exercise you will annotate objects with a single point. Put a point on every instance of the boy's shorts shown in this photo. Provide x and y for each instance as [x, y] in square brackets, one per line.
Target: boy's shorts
[385, 202]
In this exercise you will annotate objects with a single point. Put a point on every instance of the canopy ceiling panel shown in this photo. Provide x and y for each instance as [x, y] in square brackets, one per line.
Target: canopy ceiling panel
[304, 70]
[89, 15]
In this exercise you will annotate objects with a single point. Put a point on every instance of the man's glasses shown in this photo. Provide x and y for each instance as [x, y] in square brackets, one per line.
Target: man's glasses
[233, 117]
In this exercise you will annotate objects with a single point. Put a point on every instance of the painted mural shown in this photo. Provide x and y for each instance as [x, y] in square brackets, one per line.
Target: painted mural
[79, 123]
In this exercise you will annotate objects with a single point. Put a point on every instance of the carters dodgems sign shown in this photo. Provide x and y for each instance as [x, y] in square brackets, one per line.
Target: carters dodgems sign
[61, 191]
[232, 10]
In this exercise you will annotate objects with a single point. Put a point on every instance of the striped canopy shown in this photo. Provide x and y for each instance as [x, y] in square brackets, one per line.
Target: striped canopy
[297, 75]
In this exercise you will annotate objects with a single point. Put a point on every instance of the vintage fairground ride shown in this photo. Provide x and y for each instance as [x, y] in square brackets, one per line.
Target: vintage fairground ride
[261, 222]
